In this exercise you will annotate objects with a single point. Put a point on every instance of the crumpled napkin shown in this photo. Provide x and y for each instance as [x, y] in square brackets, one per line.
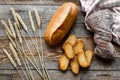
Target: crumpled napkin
[90, 6]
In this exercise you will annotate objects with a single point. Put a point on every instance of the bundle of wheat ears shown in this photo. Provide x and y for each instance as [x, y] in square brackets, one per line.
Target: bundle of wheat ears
[18, 43]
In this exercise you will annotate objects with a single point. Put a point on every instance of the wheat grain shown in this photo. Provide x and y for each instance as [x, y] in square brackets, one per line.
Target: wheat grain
[4, 24]
[18, 32]
[22, 22]
[10, 57]
[12, 28]
[37, 17]
[31, 21]
[15, 54]
[12, 61]
[11, 40]
[14, 16]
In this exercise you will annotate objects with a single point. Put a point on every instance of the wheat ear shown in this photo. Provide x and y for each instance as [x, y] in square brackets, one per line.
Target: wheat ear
[11, 28]
[10, 57]
[31, 21]
[15, 54]
[14, 16]
[4, 24]
[18, 32]
[22, 22]
[12, 61]
[11, 40]
[37, 17]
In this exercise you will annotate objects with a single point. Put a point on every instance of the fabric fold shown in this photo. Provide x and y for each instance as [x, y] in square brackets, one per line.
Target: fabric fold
[91, 6]
[106, 8]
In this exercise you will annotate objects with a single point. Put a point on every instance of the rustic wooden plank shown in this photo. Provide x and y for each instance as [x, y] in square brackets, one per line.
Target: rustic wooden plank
[56, 75]
[42, 2]
[53, 53]
[52, 64]
[48, 50]
[87, 75]
[46, 13]
[78, 29]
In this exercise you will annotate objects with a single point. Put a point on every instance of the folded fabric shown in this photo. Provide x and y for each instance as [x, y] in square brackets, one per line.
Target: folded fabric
[90, 6]
[100, 22]
[103, 18]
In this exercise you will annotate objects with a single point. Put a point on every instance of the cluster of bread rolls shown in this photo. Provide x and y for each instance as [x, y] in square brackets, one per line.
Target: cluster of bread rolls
[75, 55]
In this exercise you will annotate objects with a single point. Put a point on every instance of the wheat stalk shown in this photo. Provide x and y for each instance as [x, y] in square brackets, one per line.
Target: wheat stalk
[13, 48]
[12, 61]
[10, 57]
[30, 72]
[11, 40]
[26, 29]
[18, 32]
[39, 24]
[14, 16]
[6, 27]
[31, 21]
[11, 28]
[30, 50]
[22, 22]
[15, 54]
[17, 18]
[25, 67]
[32, 24]
[40, 57]
[37, 17]
[36, 67]
[13, 43]
[32, 63]
[20, 53]
[28, 46]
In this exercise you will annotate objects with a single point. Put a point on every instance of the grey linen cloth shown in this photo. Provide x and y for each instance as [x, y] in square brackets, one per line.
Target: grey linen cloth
[92, 6]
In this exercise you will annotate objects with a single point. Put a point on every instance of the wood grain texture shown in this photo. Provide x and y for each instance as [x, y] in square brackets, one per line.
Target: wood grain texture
[52, 64]
[99, 69]
[56, 74]
[41, 2]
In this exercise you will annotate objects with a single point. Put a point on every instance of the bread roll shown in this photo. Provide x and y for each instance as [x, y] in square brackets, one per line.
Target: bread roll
[61, 23]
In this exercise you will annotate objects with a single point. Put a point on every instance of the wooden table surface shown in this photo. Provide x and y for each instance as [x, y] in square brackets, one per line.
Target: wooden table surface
[99, 69]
